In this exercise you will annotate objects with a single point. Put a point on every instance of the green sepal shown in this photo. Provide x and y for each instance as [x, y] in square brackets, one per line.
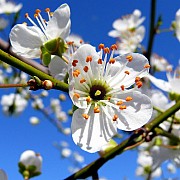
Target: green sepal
[38, 81]
[174, 96]
[31, 168]
[45, 56]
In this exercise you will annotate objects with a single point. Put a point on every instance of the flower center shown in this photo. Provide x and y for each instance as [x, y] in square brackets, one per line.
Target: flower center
[97, 92]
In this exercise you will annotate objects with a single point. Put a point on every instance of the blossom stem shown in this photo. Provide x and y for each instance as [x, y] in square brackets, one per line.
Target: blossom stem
[13, 85]
[94, 166]
[5, 57]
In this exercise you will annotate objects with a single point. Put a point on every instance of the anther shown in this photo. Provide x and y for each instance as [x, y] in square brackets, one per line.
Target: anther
[37, 11]
[85, 116]
[47, 10]
[137, 79]
[70, 43]
[89, 59]
[26, 15]
[122, 107]
[85, 68]
[51, 14]
[74, 63]
[109, 98]
[139, 84]
[76, 73]
[106, 50]
[119, 103]
[99, 61]
[114, 47]
[122, 87]
[82, 80]
[129, 58]
[129, 98]
[81, 41]
[147, 66]
[76, 95]
[115, 117]
[97, 93]
[112, 61]
[127, 72]
[88, 99]
[96, 109]
[101, 46]
[35, 15]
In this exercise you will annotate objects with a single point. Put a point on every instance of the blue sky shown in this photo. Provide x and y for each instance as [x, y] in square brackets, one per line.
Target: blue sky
[92, 20]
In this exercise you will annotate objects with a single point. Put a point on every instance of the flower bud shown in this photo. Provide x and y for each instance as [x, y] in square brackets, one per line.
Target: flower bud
[47, 84]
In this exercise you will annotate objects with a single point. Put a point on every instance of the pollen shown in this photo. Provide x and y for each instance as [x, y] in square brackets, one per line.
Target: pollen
[139, 84]
[47, 10]
[88, 99]
[26, 15]
[114, 47]
[122, 107]
[129, 98]
[37, 11]
[99, 61]
[85, 116]
[101, 46]
[112, 61]
[115, 117]
[82, 80]
[122, 87]
[76, 95]
[129, 58]
[35, 15]
[147, 66]
[106, 50]
[137, 79]
[119, 103]
[81, 41]
[96, 109]
[89, 59]
[85, 68]
[127, 72]
[76, 73]
[74, 63]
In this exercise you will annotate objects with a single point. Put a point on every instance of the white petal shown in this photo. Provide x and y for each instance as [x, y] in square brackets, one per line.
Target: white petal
[137, 113]
[114, 33]
[3, 175]
[24, 38]
[120, 25]
[58, 23]
[93, 133]
[164, 85]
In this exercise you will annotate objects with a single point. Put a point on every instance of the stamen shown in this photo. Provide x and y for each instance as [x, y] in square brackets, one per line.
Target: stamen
[97, 93]
[129, 98]
[74, 63]
[85, 68]
[137, 79]
[112, 61]
[88, 99]
[114, 47]
[115, 117]
[122, 87]
[109, 98]
[85, 116]
[89, 59]
[147, 66]
[119, 103]
[26, 15]
[99, 61]
[47, 10]
[76, 73]
[96, 109]
[129, 58]
[51, 14]
[76, 95]
[81, 41]
[139, 84]
[101, 46]
[106, 50]
[122, 107]
[37, 11]
[82, 80]
[127, 72]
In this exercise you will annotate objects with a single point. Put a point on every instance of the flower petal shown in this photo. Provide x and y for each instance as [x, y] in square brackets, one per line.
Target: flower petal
[93, 133]
[137, 112]
[59, 22]
[24, 38]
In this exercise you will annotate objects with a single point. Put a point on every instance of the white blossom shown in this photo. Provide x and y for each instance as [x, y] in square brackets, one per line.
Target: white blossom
[34, 120]
[3, 175]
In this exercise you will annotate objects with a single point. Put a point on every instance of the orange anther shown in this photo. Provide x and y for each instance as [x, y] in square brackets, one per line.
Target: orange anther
[122, 87]
[99, 61]
[112, 61]
[122, 107]
[114, 47]
[119, 103]
[76, 95]
[96, 109]
[70, 43]
[109, 98]
[37, 11]
[82, 80]
[89, 59]
[26, 15]
[115, 117]
[139, 84]
[76, 73]
[101, 46]
[74, 63]
[51, 14]
[47, 10]
[85, 116]
[129, 98]
[127, 72]
[106, 50]
[35, 15]
[88, 99]
[147, 66]
[81, 41]
[129, 58]
[85, 68]
[137, 79]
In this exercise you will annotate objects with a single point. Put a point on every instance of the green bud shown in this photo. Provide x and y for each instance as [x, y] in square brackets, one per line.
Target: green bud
[45, 56]
[174, 96]
[158, 142]
[26, 174]
[37, 80]
[173, 25]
